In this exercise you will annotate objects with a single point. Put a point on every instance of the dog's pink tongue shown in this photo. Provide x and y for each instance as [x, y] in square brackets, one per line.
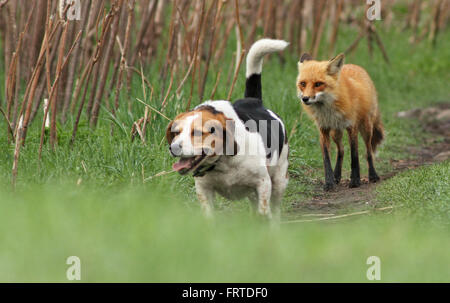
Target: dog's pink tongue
[183, 163]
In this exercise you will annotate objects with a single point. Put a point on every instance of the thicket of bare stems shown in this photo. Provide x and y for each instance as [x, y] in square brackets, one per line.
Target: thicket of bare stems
[81, 66]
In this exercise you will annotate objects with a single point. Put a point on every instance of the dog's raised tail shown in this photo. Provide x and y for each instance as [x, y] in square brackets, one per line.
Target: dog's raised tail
[254, 64]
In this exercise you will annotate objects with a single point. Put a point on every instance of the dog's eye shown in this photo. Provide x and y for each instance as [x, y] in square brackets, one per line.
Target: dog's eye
[318, 84]
[303, 84]
[197, 133]
[212, 130]
[175, 133]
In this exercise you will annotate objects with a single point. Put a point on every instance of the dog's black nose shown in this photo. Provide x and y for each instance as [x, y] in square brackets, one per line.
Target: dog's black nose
[305, 99]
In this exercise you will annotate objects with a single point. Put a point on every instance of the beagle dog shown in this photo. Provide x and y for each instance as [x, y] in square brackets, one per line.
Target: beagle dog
[235, 149]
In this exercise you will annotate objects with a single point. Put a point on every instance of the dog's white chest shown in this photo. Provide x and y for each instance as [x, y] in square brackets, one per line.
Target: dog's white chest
[235, 181]
[229, 185]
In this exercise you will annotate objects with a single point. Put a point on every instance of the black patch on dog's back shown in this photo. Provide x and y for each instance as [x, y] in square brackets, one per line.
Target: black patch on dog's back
[253, 109]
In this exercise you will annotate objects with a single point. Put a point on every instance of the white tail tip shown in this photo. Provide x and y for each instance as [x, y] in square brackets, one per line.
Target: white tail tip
[258, 50]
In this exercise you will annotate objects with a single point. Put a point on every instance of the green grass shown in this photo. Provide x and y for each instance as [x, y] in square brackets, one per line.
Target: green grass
[126, 230]
[423, 193]
[140, 234]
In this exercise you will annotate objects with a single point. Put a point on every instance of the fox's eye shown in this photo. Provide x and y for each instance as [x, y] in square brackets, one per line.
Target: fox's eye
[317, 84]
[303, 84]
[197, 133]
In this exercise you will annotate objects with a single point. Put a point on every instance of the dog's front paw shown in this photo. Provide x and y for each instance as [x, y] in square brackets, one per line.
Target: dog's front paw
[354, 183]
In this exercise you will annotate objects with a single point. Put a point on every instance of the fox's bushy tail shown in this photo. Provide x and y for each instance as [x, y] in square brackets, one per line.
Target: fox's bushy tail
[378, 132]
[254, 64]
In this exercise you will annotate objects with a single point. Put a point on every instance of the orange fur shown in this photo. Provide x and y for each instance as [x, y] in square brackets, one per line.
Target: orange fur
[338, 97]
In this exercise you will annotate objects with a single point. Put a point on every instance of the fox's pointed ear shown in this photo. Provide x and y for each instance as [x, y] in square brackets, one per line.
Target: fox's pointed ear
[335, 64]
[303, 58]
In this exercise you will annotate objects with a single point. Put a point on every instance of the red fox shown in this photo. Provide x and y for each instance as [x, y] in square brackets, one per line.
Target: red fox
[341, 97]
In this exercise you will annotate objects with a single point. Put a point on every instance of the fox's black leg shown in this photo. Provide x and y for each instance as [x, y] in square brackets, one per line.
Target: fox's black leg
[325, 145]
[337, 138]
[367, 135]
[373, 176]
[355, 179]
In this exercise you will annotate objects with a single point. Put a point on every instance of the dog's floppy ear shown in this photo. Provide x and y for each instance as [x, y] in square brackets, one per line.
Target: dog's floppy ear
[230, 144]
[335, 64]
[169, 133]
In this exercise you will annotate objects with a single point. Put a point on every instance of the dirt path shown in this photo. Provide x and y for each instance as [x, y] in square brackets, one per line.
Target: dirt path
[435, 120]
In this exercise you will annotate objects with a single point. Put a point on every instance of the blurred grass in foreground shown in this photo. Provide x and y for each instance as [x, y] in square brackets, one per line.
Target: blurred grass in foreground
[139, 234]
